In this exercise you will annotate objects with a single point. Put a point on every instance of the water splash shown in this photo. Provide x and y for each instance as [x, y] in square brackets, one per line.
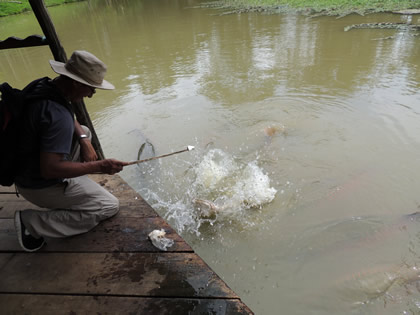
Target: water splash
[222, 182]
[215, 167]
[229, 187]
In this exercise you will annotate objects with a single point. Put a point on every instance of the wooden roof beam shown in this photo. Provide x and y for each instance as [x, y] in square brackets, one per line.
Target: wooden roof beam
[16, 42]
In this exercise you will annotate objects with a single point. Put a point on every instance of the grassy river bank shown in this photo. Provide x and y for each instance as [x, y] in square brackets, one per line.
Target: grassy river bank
[322, 7]
[9, 7]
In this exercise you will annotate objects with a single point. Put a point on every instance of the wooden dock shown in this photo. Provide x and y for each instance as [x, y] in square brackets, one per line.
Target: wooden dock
[113, 269]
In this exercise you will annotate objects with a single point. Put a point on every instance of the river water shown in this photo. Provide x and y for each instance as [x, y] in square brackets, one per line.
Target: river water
[307, 142]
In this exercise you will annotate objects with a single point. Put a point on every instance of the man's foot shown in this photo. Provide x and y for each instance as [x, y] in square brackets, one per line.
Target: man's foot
[26, 240]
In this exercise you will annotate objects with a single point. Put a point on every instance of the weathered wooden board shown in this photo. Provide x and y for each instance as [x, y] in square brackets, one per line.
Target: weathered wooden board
[57, 305]
[137, 208]
[8, 208]
[118, 234]
[8, 237]
[131, 203]
[6, 194]
[113, 269]
[133, 274]
[113, 183]
[116, 185]
[4, 259]
[16, 42]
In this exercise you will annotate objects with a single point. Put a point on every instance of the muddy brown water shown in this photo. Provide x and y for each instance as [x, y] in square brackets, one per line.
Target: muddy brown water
[342, 154]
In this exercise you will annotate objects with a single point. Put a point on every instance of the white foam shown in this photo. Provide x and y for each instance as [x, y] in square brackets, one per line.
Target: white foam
[254, 186]
[214, 167]
[230, 185]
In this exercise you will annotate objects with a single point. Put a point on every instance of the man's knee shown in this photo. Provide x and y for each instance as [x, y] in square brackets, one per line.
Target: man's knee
[111, 207]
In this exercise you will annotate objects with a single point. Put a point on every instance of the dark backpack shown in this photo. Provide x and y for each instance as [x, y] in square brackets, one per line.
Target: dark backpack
[12, 104]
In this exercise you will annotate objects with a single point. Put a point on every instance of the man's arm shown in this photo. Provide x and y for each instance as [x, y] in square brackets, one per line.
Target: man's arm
[87, 151]
[53, 165]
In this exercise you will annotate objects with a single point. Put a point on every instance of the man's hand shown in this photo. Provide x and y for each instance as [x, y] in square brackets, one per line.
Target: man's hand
[111, 166]
[53, 165]
[87, 151]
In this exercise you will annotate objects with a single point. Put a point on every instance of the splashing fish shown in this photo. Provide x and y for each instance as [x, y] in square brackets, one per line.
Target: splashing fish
[226, 186]
[207, 208]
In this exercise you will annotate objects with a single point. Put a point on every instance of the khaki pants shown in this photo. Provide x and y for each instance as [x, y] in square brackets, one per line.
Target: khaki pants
[76, 206]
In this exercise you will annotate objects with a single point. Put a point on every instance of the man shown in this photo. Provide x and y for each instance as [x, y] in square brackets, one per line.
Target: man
[56, 155]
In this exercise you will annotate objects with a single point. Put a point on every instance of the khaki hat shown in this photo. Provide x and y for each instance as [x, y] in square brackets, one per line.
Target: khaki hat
[85, 68]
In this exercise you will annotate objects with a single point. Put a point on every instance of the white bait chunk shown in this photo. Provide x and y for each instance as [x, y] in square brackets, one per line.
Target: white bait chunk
[158, 239]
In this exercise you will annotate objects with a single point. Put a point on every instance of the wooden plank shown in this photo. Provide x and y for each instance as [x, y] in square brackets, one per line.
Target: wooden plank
[113, 183]
[8, 208]
[10, 202]
[8, 193]
[133, 274]
[16, 42]
[57, 305]
[138, 209]
[134, 209]
[131, 203]
[122, 235]
[4, 259]
[116, 234]
[8, 237]
[117, 186]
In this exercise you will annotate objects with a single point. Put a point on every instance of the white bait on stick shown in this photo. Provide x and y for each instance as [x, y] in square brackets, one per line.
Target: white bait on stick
[189, 148]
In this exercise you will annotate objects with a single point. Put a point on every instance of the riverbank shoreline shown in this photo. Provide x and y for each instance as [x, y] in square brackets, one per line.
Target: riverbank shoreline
[13, 7]
[306, 7]
[313, 8]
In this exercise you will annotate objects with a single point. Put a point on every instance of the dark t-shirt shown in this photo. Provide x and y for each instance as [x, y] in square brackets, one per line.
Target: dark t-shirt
[48, 126]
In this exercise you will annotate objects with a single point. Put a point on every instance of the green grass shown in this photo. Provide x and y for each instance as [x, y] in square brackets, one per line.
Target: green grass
[8, 7]
[327, 6]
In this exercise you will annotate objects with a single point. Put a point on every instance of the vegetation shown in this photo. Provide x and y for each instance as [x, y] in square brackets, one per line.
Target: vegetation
[8, 7]
[329, 7]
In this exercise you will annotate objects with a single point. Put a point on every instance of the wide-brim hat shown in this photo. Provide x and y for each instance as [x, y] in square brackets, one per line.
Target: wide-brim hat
[84, 68]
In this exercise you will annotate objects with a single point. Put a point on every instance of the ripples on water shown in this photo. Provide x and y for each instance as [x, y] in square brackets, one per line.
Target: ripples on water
[302, 215]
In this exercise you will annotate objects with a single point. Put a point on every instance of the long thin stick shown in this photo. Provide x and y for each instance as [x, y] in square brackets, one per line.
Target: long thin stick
[189, 148]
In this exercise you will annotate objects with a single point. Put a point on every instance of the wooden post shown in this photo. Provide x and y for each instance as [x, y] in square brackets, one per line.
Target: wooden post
[48, 28]
[59, 54]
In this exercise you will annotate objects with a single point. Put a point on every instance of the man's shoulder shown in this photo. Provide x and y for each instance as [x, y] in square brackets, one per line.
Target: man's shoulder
[47, 105]
[42, 94]
[53, 110]
[43, 88]
[49, 112]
